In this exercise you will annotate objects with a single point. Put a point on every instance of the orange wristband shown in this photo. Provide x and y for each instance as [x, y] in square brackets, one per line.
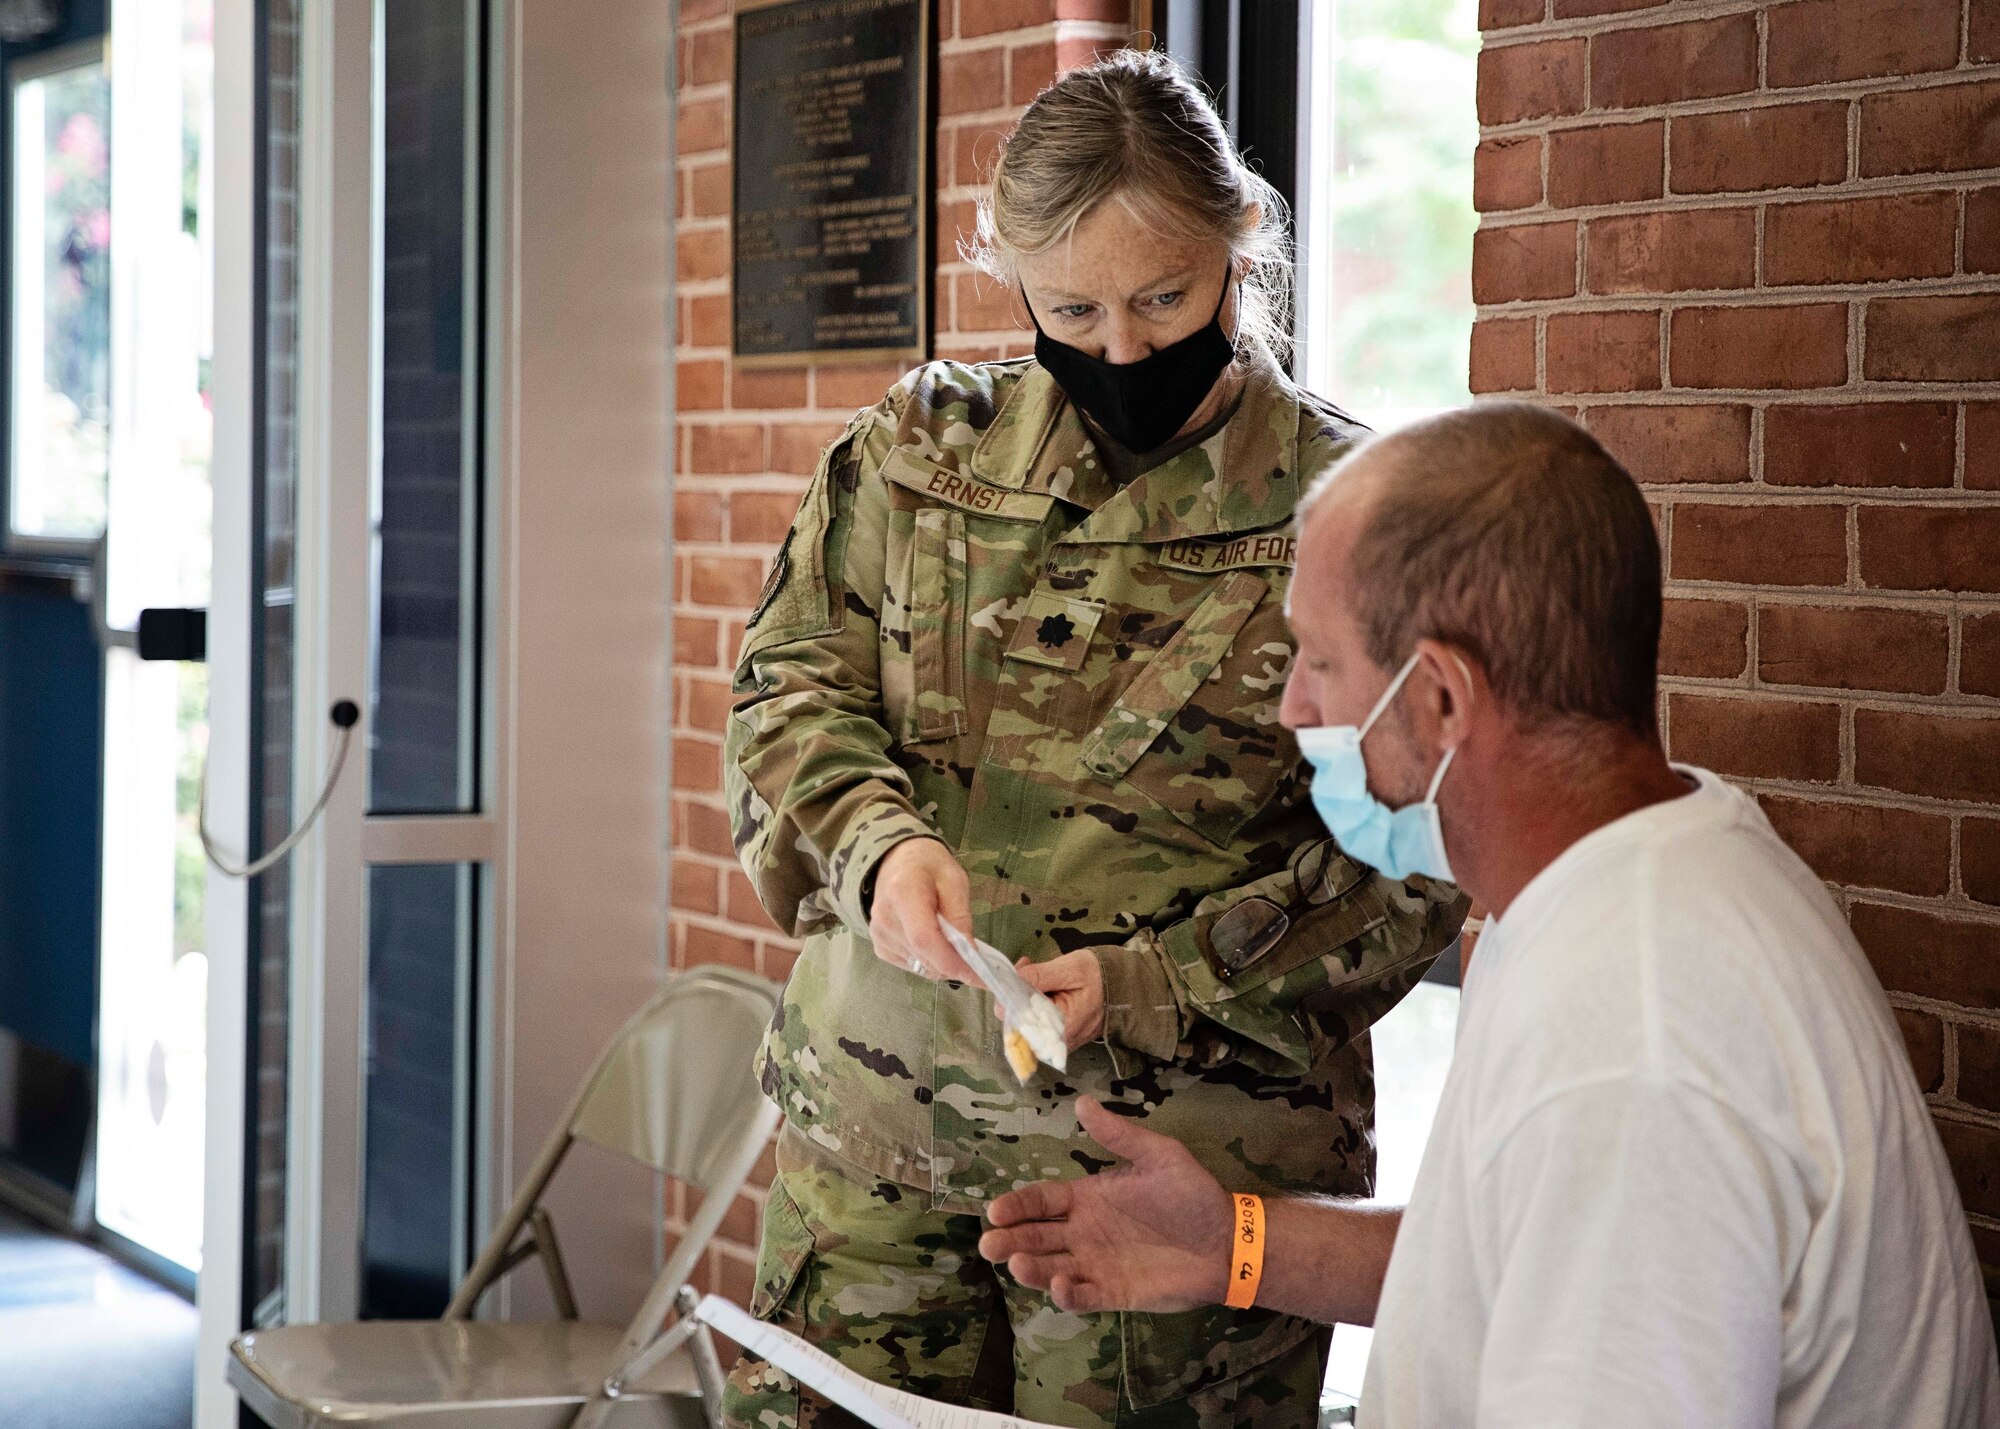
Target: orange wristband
[1246, 1250]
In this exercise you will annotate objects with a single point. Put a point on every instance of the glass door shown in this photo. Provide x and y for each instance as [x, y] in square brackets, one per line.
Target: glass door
[155, 552]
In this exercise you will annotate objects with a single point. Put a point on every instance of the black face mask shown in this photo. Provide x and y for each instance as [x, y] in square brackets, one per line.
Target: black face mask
[1140, 405]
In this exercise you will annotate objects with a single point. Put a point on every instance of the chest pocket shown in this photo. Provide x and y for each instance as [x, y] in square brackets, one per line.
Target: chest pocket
[1204, 758]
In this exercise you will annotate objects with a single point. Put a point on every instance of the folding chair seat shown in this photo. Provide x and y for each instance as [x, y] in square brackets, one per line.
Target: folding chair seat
[673, 1089]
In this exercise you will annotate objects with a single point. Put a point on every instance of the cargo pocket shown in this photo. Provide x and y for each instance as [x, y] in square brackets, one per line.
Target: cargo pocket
[934, 706]
[1204, 766]
[781, 1258]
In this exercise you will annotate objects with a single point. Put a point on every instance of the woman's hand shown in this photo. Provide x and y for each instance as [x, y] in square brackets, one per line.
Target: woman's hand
[916, 881]
[1074, 982]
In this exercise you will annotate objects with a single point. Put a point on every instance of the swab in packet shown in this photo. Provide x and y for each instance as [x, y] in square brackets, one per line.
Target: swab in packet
[1032, 1027]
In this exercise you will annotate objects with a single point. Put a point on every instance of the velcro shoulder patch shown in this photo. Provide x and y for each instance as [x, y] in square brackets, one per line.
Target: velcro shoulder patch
[968, 493]
[1232, 553]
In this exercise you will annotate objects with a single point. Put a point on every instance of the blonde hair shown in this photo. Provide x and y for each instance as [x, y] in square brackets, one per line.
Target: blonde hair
[1133, 126]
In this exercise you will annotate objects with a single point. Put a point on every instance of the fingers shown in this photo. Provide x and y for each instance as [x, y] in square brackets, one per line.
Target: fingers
[1027, 1238]
[1119, 1135]
[1078, 1296]
[1041, 1271]
[1042, 1201]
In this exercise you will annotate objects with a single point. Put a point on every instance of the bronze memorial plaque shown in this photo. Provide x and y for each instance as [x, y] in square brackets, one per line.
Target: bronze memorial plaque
[831, 179]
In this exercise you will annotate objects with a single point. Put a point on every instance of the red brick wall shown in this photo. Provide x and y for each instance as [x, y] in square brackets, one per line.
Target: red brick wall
[1757, 248]
[747, 440]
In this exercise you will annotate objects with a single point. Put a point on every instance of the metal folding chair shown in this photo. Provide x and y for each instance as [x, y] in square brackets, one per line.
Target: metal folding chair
[673, 1089]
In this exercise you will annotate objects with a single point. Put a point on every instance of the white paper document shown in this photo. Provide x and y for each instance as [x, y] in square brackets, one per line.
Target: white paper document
[872, 1403]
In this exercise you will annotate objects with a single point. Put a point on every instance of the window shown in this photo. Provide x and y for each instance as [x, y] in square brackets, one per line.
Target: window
[1385, 222]
[59, 399]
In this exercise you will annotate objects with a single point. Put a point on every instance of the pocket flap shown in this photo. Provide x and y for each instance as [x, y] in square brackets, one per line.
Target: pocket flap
[1152, 700]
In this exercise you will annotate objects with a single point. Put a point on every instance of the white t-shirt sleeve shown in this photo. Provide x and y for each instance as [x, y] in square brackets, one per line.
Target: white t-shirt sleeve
[1637, 1233]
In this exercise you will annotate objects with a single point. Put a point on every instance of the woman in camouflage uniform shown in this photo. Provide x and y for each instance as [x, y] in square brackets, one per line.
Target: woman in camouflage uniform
[1019, 662]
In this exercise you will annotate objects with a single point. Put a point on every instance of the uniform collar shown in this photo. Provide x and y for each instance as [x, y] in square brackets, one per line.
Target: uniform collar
[1243, 478]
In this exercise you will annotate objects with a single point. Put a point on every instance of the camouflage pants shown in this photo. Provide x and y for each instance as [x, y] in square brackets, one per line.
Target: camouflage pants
[868, 1272]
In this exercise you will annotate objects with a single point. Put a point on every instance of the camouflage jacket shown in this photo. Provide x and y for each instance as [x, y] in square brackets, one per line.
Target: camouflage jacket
[972, 634]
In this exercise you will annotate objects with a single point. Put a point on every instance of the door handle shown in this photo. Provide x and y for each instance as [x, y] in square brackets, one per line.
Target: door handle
[173, 633]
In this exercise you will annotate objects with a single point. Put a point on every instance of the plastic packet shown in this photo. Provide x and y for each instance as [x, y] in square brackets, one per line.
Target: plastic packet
[1032, 1027]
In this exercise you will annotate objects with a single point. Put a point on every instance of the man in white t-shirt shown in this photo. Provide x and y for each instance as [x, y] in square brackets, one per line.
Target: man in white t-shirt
[1681, 1173]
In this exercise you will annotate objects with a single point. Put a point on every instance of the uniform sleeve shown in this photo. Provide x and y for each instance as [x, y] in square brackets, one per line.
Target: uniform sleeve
[1289, 967]
[1634, 1237]
[814, 798]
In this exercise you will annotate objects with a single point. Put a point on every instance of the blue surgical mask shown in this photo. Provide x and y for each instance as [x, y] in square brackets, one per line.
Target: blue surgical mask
[1399, 842]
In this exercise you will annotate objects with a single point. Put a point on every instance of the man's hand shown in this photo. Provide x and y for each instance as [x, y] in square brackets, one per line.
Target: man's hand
[1152, 1234]
[1074, 982]
[916, 881]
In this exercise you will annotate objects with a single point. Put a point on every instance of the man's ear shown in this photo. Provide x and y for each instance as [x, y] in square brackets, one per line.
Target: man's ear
[1452, 692]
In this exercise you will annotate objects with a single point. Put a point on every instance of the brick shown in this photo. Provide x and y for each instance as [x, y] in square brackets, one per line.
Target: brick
[707, 321]
[726, 448]
[796, 446]
[696, 886]
[983, 304]
[1603, 352]
[698, 515]
[1524, 261]
[1756, 738]
[1936, 339]
[975, 150]
[1934, 755]
[701, 125]
[698, 765]
[761, 518]
[740, 904]
[1109, 12]
[730, 581]
[1853, 648]
[1874, 444]
[696, 641]
[708, 56]
[1861, 240]
[1979, 859]
[1779, 147]
[1507, 173]
[1982, 31]
[1537, 80]
[1781, 545]
[1503, 355]
[849, 388]
[706, 830]
[1931, 548]
[1979, 1066]
[1771, 347]
[1571, 9]
[707, 945]
[1974, 1154]
[1931, 131]
[1075, 51]
[1030, 70]
[767, 387]
[1608, 163]
[1704, 639]
[709, 194]
[1923, 1038]
[1865, 845]
[1982, 231]
[708, 705]
[1686, 249]
[1667, 445]
[990, 17]
[1500, 14]
[1979, 654]
[1822, 41]
[1926, 955]
[971, 80]
[1982, 446]
[1663, 63]
[701, 255]
[700, 386]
